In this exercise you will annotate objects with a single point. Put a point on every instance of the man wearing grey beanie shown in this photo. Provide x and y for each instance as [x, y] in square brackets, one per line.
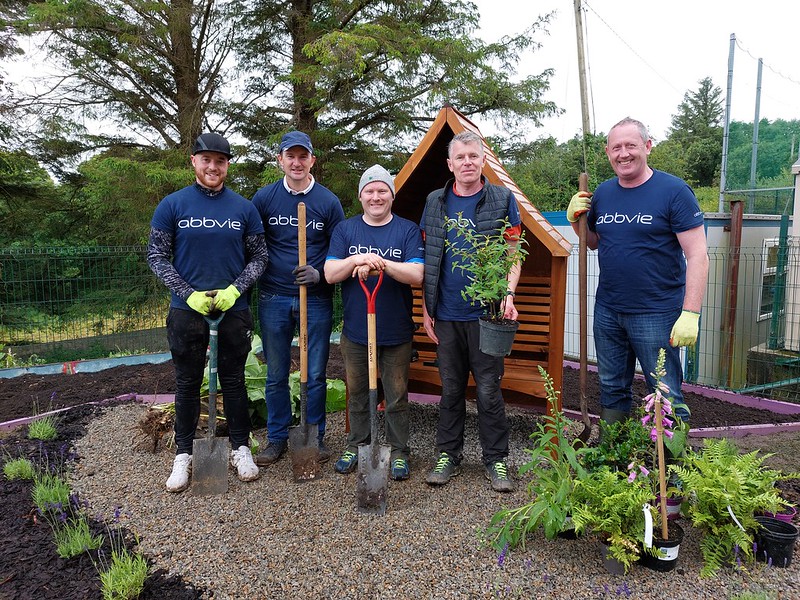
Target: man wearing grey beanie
[377, 240]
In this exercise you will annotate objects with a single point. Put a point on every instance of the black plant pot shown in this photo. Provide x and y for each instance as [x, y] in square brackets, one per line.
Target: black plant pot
[612, 565]
[775, 541]
[568, 530]
[667, 551]
[497, 337]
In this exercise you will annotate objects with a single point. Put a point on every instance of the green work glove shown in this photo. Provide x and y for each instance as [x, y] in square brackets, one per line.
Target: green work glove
[685, 330]
[578, 205]
[226, 298]
[200, 302]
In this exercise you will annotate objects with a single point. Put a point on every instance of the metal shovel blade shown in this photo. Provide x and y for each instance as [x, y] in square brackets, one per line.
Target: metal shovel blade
[210, 466]
[304, 448]
[210, 454]
[372, 482]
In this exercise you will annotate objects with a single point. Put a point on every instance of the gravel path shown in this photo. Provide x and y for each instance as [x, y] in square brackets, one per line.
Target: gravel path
[277, 539]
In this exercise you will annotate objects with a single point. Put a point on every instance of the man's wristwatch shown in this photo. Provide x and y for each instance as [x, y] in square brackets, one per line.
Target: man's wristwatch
[511, 293]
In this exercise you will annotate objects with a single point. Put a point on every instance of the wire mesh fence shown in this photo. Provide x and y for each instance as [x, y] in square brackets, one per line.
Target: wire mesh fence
[64, 304]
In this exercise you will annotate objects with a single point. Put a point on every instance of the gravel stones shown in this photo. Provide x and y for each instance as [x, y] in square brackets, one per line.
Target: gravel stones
[274, 538]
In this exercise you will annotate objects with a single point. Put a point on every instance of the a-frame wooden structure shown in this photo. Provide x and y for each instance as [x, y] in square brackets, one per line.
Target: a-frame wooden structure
[540, 296]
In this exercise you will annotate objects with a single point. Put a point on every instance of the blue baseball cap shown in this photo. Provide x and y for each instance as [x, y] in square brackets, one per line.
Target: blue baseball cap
[295, 138]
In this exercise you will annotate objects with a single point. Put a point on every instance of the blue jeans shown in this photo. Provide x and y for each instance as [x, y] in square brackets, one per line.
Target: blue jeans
[459, 355]
[279, 317]
[620, 339]
[187, 334]
[393, 363]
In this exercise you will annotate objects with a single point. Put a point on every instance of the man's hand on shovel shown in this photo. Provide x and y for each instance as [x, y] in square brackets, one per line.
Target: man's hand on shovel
[305, 275]
[224, 299]
[202, 302]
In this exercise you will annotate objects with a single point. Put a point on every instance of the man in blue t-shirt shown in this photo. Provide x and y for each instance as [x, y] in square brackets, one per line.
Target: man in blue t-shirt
[377, 241]
[279, 289]
[452, 322]
[648, 229]
[207, 238]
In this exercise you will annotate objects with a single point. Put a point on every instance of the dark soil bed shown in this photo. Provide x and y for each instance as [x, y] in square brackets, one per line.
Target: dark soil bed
[29, 565]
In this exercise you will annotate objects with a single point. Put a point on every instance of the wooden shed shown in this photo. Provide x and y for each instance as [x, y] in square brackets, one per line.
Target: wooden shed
[540, 297]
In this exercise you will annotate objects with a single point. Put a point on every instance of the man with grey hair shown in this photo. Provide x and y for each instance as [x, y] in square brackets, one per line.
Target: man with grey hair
[377, 240]
[648, 229]
[452, 322]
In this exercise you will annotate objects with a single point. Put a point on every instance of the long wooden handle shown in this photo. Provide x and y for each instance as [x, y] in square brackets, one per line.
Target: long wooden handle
[301, 260]
[372, 330]
[583, 307]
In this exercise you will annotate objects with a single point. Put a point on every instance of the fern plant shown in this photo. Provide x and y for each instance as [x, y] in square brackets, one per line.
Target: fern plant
[726, 490]
[606, 504]
[554, 463]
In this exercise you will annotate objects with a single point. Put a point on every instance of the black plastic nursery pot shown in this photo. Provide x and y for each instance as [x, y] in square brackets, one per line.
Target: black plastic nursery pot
[496, 338]
[774, 542]
[667, 551]
[612, 565]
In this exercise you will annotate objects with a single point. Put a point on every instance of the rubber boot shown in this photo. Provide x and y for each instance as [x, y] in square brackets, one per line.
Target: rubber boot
[609, 415]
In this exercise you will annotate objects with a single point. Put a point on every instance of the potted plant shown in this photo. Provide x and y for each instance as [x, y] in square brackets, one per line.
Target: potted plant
[726, 490]
[631, 447]
[663, 547]
[488, 259]
[554, 465]
[609, 505]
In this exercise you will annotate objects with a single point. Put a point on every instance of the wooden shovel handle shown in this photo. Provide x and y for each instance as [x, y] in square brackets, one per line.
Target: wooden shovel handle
[372, 346]
[301, 260]
[583, 186]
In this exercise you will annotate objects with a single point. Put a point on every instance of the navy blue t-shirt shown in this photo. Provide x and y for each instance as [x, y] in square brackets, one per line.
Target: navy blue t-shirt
[278, 210]
[452, 306]
[642, 266]
[209, 235]
[398, 240]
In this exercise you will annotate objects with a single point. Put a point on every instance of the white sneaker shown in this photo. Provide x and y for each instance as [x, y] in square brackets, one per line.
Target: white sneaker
[242, 459]
[179, 479]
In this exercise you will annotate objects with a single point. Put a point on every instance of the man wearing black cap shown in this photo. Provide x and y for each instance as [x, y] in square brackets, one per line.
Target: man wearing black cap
[279, 289]
[204, 238]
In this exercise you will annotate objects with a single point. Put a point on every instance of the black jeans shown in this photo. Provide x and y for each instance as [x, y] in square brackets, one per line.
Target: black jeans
[187, 332]
[459, 354]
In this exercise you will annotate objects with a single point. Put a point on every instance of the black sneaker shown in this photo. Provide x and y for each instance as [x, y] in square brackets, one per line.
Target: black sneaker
[445, 468]
[324, 453]
[271, 453]
[498, 474]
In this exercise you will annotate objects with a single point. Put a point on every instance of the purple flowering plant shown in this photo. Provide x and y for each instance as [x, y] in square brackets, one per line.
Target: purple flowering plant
[644, 464]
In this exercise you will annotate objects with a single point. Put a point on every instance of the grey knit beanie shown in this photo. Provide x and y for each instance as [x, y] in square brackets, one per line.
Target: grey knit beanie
[376, 173]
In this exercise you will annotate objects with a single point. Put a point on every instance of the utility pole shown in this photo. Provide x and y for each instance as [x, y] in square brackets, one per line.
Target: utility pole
[582, 76]
[754, 156]
[723, 174]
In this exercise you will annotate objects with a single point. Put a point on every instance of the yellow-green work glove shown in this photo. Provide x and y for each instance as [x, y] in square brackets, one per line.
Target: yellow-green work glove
[685, 330]
[226, 298]
[200, 302]
[579, 204]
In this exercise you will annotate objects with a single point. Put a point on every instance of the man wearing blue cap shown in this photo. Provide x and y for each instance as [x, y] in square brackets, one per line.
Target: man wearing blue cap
[279, 289]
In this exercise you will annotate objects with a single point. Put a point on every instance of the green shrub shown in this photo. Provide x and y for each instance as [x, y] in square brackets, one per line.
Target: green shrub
[19, 468]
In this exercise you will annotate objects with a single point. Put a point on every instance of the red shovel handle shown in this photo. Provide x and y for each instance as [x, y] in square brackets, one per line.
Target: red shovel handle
[371, 296]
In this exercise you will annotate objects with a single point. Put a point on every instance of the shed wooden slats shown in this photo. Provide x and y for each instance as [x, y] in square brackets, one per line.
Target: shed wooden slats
[531, 344]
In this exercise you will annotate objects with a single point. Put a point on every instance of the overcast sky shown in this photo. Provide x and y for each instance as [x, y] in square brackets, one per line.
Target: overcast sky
[644, 55]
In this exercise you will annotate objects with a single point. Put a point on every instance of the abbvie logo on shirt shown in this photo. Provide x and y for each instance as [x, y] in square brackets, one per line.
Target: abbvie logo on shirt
[206, 223]
[292, 222]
